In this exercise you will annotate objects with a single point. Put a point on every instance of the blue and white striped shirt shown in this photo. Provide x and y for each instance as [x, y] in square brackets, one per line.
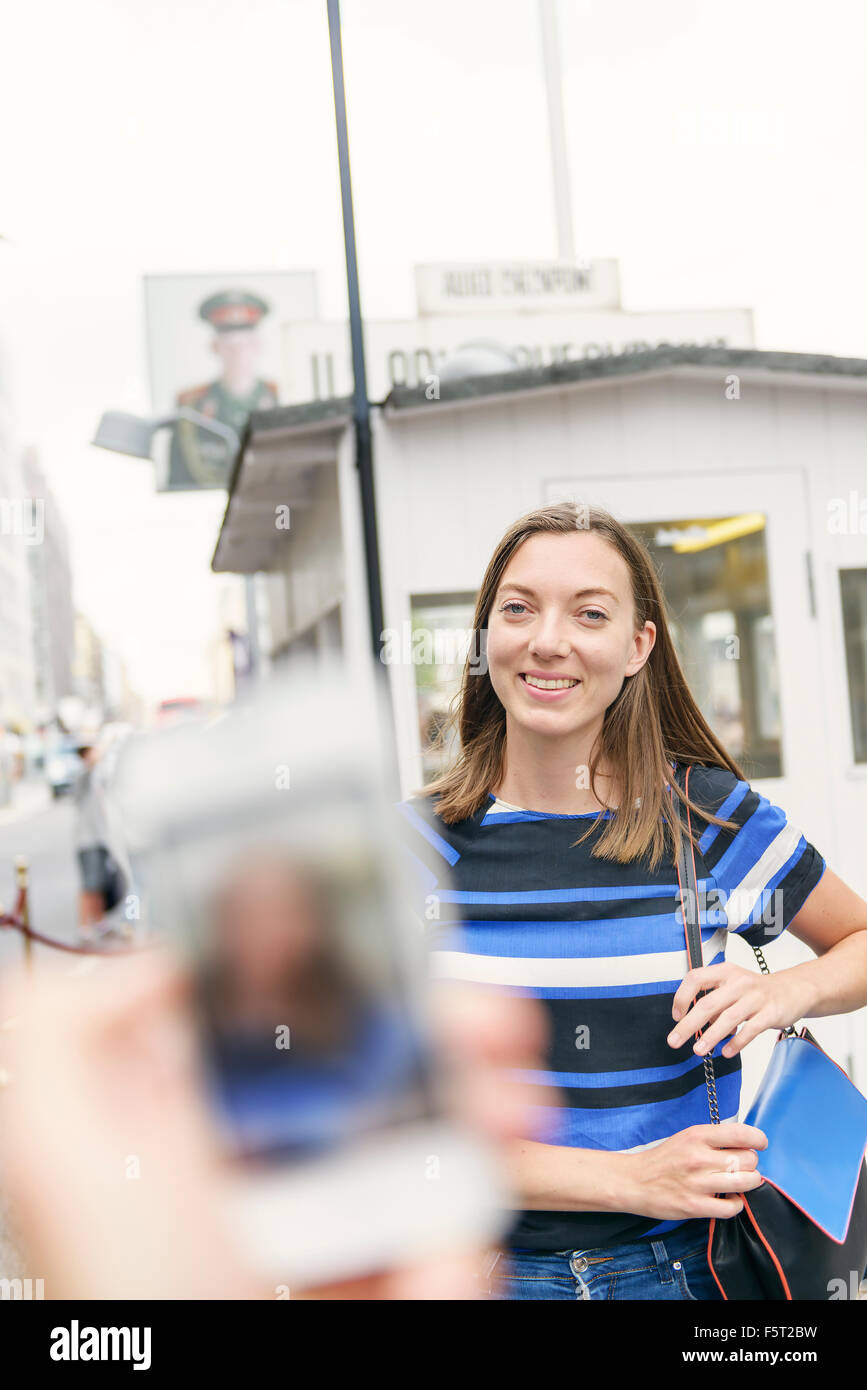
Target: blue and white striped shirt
[507, 900]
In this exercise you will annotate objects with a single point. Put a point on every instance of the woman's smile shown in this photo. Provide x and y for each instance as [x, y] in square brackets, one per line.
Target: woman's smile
[548, 688]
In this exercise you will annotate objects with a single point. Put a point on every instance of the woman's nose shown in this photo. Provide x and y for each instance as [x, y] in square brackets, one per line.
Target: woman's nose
[549, 639]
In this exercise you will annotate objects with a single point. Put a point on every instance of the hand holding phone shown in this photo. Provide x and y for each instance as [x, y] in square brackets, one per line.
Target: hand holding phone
[264, 847]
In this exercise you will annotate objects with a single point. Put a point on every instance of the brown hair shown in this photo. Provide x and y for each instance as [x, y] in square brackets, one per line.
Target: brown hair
[653, 721]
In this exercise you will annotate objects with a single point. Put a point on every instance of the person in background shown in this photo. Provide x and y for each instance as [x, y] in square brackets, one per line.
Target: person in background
[100, 886]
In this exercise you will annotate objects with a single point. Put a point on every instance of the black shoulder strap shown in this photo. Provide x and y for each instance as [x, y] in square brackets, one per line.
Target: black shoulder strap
[691, 921]
[689, 887]
[687, 880]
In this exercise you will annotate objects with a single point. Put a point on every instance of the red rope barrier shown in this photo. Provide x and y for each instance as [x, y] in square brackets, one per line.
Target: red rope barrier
[8, 920]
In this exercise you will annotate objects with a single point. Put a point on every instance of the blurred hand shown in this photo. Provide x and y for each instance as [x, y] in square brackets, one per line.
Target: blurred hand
[106, 1154]
[481, 1035]
[111, 1161]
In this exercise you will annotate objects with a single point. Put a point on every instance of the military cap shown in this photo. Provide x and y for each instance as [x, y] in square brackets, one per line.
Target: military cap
[232, 309]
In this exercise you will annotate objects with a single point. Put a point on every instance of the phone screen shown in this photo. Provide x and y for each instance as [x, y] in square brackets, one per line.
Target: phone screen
[267, 852]
[311, 1031]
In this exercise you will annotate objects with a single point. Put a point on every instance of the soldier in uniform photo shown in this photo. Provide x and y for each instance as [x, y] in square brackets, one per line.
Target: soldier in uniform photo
[199, 459]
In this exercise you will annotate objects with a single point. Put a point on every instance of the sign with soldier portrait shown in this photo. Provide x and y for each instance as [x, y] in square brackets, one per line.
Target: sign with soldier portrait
[215, 353]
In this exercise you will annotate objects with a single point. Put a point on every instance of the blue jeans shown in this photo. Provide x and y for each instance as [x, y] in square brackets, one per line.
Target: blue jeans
[673, 1266]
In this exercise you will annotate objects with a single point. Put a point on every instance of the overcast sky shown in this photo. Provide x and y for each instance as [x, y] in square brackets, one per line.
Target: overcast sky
[149, 136]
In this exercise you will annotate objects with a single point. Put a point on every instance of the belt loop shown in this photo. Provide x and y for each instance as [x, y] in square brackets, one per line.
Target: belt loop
[662, 1261]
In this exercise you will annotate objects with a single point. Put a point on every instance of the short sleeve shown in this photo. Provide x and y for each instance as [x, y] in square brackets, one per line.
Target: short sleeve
[764, 871]
[425, 854]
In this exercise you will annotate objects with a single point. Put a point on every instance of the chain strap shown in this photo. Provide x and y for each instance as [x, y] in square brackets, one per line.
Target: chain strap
[710, 1083]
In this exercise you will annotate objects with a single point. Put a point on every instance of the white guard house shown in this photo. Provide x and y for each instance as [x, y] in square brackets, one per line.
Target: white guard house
[744, 471]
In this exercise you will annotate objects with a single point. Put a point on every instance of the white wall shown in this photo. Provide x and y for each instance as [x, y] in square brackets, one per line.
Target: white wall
[312, 569]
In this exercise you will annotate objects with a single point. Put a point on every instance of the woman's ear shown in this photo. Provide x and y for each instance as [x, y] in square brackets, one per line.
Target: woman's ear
[643, 643]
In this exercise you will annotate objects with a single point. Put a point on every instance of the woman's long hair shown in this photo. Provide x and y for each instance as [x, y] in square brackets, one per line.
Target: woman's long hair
[653, 721]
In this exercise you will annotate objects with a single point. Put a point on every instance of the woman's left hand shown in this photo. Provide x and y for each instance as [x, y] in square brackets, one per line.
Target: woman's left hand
[737, 997]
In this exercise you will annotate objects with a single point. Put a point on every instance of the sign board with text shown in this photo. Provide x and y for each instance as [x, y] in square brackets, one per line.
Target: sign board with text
[516, 287]
[408, 352]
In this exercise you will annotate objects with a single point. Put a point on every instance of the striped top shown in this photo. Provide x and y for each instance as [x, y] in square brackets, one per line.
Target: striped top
[507, 900]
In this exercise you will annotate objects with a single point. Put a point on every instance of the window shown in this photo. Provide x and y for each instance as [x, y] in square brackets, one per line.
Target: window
[853, 595]
[714, 573]
[442, 626]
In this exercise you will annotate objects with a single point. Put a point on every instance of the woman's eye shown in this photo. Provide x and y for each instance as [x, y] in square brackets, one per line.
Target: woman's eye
[511, 604]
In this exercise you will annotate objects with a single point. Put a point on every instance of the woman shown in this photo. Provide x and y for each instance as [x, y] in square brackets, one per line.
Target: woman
[99, 891]
[581, 713]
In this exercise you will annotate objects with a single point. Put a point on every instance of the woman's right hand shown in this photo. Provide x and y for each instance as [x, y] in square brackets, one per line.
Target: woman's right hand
[679, 1178]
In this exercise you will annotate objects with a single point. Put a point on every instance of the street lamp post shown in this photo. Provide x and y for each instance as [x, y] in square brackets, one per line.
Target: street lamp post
[134, 434]
[557, 130]
[360, 402]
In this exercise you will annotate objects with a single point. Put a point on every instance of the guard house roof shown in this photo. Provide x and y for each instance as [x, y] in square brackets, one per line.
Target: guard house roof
[280, 447]
[275, 463]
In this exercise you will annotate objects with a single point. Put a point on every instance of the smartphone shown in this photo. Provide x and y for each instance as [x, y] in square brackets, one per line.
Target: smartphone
[264, 847]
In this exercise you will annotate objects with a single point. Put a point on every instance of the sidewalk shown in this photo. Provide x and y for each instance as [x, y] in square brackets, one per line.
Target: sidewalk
[29, 796]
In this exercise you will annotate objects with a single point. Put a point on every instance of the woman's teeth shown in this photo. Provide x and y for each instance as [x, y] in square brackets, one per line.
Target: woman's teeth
[550, 685]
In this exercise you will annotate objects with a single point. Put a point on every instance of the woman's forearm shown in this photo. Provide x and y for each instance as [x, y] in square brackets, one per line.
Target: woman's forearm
[548, 1177]
[837, 979]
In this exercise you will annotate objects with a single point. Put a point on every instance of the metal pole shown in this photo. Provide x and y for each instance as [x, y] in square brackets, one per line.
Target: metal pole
[255, 672]
[360, 402]
[22, 907]
[557, 130]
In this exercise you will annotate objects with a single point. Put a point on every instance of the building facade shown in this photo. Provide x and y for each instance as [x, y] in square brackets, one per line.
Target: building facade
[21, 525]
[53, 616]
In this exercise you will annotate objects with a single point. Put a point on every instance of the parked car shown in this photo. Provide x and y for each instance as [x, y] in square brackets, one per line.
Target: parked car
[181, 709]
[63, 767]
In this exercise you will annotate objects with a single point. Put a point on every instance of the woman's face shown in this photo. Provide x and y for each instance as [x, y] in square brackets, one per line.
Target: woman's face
[266, 923]
[564, 609]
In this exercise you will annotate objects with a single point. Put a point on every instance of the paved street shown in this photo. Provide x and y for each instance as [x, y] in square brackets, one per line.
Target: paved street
[44, 835]
[42, 831]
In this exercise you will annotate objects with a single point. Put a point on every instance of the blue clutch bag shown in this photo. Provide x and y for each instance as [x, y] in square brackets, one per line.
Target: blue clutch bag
[816, 1123]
